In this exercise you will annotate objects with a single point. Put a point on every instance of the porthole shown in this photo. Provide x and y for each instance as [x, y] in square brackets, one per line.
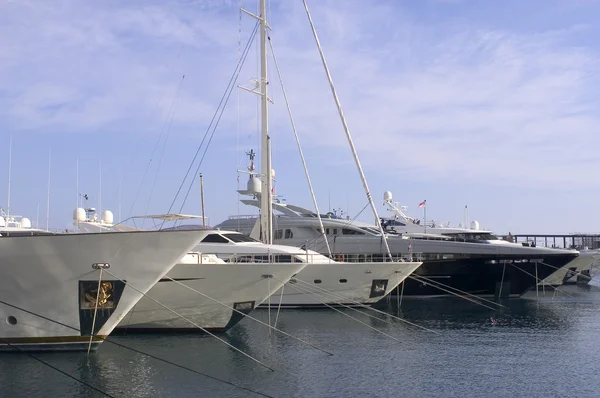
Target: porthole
[343, 280]
[11, 320]
[317, 281]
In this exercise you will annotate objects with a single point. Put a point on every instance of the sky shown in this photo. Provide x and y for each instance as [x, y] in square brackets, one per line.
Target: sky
[492, 105]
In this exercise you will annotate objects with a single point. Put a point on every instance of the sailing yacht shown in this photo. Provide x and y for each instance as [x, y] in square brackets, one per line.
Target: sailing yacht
[455, 261]
[69, 291]
[324, 282]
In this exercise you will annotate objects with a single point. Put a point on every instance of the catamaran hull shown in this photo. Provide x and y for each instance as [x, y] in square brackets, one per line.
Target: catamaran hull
[342, 284]
[223, 287]
[49, 284]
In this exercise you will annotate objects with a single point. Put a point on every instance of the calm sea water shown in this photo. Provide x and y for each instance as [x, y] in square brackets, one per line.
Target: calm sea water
[535, 349]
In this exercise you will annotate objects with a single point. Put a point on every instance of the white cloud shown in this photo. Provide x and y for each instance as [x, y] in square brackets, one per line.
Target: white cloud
[445, 99]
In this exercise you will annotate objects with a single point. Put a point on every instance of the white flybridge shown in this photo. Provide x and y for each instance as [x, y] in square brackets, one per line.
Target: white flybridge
[225, 276]
[69, 291]
[322, 282]
[13, 222]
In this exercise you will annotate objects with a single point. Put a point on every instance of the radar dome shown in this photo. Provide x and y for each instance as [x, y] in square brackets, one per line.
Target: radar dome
[254, 185]
[2, 222]
[474, 224]
[387, 196]
[107, 217]
[79, 214]
[273, 173]
[25, 222]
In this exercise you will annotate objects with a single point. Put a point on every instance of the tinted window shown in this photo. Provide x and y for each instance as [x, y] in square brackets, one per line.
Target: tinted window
[346, 231]
[239, 238]
[215, 238]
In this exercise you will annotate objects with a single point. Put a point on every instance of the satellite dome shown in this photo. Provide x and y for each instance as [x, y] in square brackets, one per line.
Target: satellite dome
[474, 224]
[254, 185]
[107, 217]
[25, 222]
[79, 214]
[387, 196]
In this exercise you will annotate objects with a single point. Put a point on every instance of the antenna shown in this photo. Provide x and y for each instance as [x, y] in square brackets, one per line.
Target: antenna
[48, 201]
[77, 188]
[120, 184]
[100, 188]
[9, 173]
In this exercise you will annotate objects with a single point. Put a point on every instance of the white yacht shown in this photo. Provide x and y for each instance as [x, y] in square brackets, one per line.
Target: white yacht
[225, 276]
[69, 291]
[229, 270]
[455, 260]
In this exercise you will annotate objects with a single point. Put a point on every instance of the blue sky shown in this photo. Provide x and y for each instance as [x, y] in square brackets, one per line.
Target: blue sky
[490, 104]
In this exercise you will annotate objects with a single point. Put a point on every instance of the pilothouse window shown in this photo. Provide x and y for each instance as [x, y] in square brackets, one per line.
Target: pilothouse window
[289, 234]
[215, 238]
[239, 238]
[347, 231]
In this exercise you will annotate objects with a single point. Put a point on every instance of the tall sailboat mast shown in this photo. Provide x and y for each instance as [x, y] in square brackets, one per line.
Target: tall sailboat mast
[266, 197]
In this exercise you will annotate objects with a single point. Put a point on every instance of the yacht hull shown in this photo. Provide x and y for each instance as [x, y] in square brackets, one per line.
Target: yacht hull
[480, 276]
[49, 286]
[342, 284]
[224, 286]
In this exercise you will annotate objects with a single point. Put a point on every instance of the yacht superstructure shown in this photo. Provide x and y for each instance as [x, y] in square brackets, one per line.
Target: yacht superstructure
[470, 261]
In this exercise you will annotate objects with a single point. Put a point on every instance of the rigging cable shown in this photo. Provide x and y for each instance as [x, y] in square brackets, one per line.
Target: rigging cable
[215, 120]
[347, 131]
[55, 368]
[312, 192]
[154, 150]
[105, 339]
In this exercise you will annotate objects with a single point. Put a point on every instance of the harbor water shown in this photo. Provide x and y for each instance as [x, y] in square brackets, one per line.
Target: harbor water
[529, 348]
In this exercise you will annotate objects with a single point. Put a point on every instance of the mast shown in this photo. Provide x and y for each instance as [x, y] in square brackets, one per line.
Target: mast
[266, 197]
[348, 136]
[202, 200]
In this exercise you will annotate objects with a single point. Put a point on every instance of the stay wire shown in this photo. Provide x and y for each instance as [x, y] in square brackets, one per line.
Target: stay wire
[224, 98]
[105, 339]
[153, 152]
[168, 133]
[56, 369]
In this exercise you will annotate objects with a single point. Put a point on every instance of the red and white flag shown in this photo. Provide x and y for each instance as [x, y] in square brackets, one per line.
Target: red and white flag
[422, 204]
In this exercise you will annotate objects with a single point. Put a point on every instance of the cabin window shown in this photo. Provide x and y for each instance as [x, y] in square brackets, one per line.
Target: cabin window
[239, 238]
[215, 238]
[343, 280]
[335, 231]
[327, 231]
[348, 231]
[317, 281]
[289, 234]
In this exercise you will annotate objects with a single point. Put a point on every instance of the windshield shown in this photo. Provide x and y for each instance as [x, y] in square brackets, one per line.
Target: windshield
[239, 238]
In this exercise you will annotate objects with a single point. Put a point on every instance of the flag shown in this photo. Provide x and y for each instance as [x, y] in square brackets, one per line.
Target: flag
[422, 203]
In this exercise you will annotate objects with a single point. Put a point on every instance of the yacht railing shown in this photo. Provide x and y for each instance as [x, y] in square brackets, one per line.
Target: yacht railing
[242, 216]
[299, 257]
